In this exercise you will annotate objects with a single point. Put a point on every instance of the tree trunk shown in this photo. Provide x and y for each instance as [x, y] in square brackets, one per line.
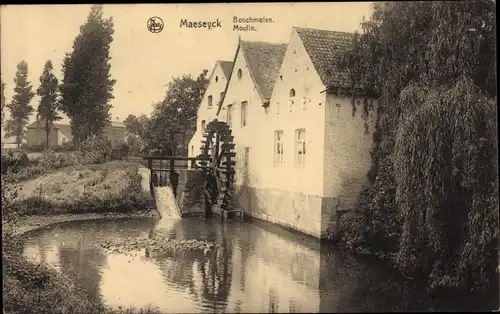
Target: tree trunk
[47, 131]
[172, 146]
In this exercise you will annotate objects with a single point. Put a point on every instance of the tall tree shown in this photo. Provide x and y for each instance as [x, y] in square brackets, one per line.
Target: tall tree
[87, 86]
[2, 99]
[172, 119]
[47, 109]
[136, 128]
[434, 192]
[20, 108]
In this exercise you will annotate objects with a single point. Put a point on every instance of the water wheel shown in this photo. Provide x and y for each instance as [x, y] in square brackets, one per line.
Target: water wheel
[217, 150]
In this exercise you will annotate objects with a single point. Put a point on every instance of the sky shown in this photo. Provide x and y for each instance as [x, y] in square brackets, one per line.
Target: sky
[143, 62]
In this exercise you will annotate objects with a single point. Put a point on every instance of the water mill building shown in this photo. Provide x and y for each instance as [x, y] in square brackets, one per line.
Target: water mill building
[301, 154]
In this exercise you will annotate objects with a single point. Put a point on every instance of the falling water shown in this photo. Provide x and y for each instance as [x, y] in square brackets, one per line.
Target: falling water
[166, 203]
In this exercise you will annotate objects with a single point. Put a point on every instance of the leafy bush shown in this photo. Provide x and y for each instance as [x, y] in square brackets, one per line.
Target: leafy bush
[95, 151]
[14, 160]
[41, 165]
[65, 147]
[120, 152]
[34, 148]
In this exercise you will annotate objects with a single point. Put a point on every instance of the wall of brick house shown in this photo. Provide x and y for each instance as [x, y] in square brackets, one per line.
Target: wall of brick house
[347, 157]
[240, 90]
[286, 194]
[297, 72]
[216, 85]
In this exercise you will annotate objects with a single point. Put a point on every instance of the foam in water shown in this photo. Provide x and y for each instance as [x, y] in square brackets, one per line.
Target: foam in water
[166, 204]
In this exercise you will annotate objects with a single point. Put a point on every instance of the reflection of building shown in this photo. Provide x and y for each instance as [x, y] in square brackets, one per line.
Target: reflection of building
[61, 133]
[301, 153]
[207, 275]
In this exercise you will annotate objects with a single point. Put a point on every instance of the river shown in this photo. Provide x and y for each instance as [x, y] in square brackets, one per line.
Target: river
[254, 268]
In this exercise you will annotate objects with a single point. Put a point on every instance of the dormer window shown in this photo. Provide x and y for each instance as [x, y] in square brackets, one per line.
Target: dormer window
[292, 93]
[210, 101]
[239, 74]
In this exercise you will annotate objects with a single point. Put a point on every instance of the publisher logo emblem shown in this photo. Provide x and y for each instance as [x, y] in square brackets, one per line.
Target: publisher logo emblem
[155, 24]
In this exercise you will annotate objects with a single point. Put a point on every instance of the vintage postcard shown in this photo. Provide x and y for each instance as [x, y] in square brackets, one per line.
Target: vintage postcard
[249, 157]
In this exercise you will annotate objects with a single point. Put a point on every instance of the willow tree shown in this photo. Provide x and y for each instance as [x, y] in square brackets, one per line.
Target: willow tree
[431, 65]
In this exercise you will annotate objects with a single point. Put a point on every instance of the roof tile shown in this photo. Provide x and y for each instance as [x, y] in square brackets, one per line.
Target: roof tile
[264, 61]
[227, 67]
[324, 48]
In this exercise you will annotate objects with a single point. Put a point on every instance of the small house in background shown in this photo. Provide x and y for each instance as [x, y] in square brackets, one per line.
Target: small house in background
[61, 134]
[116, 133]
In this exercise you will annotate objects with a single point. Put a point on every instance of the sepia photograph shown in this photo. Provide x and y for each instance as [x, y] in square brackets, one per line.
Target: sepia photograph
[302, 157]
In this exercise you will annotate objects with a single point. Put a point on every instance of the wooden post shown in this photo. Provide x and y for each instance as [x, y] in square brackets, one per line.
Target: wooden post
[172, 161]
[151, 188]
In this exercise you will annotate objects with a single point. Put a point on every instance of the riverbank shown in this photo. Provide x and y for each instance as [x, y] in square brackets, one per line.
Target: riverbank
[81, 192]
[30, 223]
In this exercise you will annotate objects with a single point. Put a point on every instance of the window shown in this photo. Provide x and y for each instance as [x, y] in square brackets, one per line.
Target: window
[216, 79]
[192, 150]
[229, 114]
[240, 73]
[300, 146]
[203, 125]
[278, 147]
[290, 102]
[244, 113]
[247, 157]
[210, 101]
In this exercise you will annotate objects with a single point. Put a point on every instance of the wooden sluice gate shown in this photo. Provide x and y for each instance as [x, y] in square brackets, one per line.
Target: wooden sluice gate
[193, 184]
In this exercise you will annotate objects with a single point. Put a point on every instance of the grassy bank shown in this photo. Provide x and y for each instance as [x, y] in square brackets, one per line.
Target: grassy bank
[112, 188]
[109, 187]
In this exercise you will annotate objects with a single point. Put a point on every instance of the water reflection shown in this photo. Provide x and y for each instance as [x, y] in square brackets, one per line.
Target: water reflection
[252, 269]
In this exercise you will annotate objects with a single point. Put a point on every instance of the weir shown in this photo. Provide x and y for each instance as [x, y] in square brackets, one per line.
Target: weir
[178, 186]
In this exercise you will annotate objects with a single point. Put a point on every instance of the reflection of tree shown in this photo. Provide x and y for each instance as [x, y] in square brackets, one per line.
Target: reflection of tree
[83, 266]
[367, 285]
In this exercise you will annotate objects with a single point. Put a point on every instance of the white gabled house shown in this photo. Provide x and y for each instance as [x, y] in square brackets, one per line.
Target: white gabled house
[301, 153]
[210, 103]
